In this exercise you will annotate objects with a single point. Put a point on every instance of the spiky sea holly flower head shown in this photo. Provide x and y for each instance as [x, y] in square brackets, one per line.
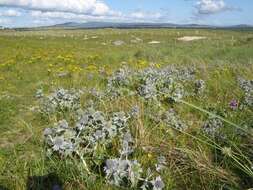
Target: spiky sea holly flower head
[173, 120]
[158, 184]
[39, 93]
[212, 125]
[227, 151]
[135, 111]
[233, 104]
[199, 86]
[161, 163]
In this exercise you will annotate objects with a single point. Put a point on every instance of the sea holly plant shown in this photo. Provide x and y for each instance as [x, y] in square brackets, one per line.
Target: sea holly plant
[247, 87]
[93, 130]
[39, 93]
[135, 111]
[120, 83]
[171, 119]
[161, 163]
[212, 126]
[60, 139]
[121, 171]
[199, 86]
[152, 83]
[59, 101]
[90, 137]
[157, 183]
[125, 172]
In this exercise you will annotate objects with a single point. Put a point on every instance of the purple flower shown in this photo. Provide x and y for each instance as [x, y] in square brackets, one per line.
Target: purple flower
[233, 104]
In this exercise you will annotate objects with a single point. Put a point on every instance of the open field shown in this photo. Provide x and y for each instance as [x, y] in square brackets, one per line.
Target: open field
[192, 100]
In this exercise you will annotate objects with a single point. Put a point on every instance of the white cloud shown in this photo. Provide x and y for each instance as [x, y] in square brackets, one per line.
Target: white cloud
[46, 15]
[72, 16]
[135, 16]
[55, 11]
[10, 13]
[91, 7]
[211, 6]
[47, 12]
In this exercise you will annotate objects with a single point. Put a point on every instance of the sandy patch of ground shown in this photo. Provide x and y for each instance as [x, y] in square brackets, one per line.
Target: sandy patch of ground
[118, 43]
[191, 38]
[154, 42]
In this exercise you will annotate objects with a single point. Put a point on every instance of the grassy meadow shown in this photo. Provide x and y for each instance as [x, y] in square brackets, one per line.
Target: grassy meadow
[85, 60]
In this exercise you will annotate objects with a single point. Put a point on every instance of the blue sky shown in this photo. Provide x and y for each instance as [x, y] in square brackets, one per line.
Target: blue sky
[23, 13]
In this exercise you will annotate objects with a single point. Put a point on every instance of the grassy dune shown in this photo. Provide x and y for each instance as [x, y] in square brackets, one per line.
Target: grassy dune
[85, 59]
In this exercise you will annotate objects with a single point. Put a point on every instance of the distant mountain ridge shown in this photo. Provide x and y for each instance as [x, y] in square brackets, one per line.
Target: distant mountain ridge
[124, 25]
[93, 25]
[102, 25]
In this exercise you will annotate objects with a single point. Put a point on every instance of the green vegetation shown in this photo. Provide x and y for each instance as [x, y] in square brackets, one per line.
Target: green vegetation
[86, 59]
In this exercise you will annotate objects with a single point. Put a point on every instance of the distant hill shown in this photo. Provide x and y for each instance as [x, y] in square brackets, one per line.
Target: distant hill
[98, 25]
[240, 26]
[126, 25]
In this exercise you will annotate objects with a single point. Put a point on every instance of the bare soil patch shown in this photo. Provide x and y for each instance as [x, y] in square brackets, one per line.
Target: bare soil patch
[191, 38]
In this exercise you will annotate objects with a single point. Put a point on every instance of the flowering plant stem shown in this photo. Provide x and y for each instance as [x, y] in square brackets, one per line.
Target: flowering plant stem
[84, 163]
[212, 114]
